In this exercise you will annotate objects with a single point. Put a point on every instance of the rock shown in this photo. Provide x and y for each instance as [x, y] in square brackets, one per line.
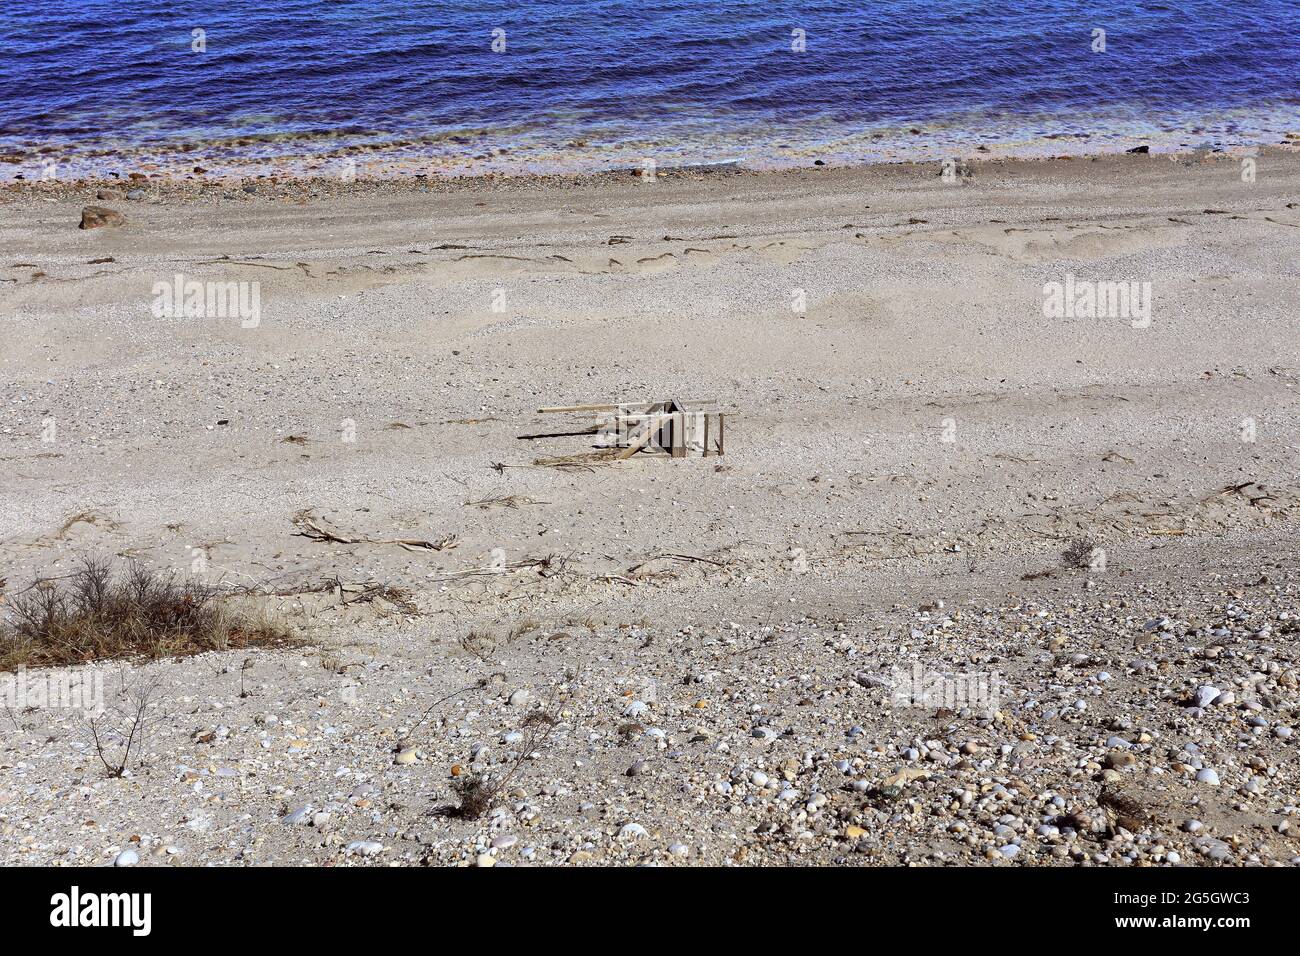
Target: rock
[95, 217]
[1119, 759]
[1208, 776]
[1193, 826]
[301, 815]
[365, 847]
[1283, 732]
[505, 841]
[905, 776]
[135, 195]
[406, 756]
[1010, 851]
[518, 698]
[108, 195]
[1140, 150]
[637, 768]
[126, 858]
[854, 833]
[679, 849]
[485, 859]
[1204, 695]
[633, 831]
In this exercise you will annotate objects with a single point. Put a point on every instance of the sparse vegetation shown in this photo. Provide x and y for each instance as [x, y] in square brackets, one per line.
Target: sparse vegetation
[1079, 554]
[475, 793]
[131, 723]
[96, 613]
[482, 644]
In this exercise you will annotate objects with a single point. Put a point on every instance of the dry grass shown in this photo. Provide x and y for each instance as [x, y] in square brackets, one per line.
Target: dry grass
[96, 613]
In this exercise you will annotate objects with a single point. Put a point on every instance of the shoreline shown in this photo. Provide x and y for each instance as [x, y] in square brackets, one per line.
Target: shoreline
[158, 185]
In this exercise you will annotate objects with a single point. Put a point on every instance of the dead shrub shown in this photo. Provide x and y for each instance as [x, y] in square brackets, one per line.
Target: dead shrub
[1078, 555]
[96, 614]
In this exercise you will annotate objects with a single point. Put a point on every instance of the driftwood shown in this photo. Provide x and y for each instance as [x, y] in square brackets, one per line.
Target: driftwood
[309, 526]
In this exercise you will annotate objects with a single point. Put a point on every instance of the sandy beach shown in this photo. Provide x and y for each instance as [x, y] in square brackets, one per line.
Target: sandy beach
[912, 444]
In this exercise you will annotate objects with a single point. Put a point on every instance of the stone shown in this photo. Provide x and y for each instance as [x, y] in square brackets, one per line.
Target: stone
[365, 847]
[406, 756]
[1119, 759]
[96, 217]
[301, 815]
[633, 831]
[1208, 775]
[1204, 695]
[126, 858]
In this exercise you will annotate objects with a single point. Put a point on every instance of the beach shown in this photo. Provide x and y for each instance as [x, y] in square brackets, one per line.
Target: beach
[939, 454]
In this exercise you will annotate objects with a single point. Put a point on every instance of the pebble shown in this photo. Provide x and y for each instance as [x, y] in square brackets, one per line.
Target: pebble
[126, 858]
[1208, 775]
[365, 847]
[406, 756]
[1204, 695]
[518, 698]
[633, 831]
[301, 815]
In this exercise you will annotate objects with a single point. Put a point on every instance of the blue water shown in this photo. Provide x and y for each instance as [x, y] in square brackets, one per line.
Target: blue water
[406, 84]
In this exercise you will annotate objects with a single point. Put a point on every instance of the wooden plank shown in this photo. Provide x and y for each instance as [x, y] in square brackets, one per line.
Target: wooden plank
[617, 406]
[639, 442]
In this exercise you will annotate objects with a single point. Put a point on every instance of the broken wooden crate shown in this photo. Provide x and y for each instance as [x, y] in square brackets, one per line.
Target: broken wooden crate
[678, 429]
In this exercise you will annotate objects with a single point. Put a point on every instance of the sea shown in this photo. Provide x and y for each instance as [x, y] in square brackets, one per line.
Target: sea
[416, 87]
